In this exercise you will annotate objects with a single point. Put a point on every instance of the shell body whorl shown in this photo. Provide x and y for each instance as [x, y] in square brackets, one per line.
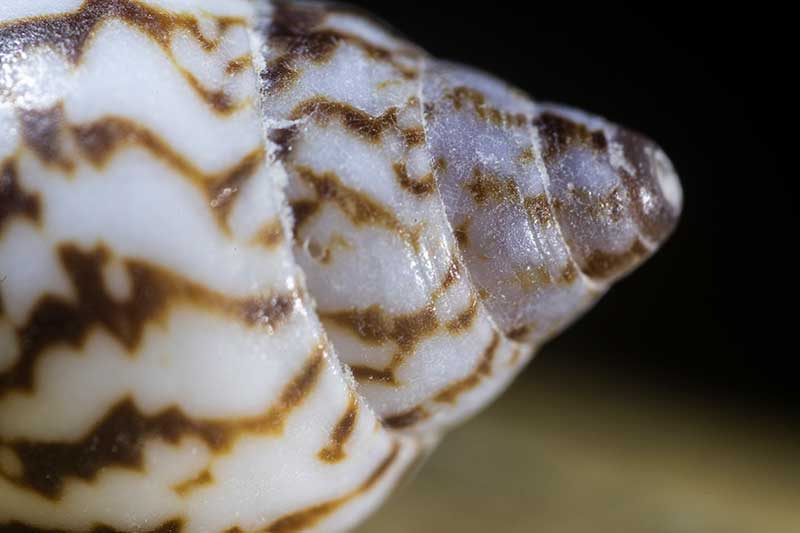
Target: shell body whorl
[257, 257]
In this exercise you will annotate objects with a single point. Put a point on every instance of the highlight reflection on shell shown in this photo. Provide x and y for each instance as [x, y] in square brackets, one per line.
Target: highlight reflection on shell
[181, 180]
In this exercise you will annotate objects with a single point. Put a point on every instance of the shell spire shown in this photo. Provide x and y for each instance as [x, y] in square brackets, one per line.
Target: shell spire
[616, 194]
[257, 257]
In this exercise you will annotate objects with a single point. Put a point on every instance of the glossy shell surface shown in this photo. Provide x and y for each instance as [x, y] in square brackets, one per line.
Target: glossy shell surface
[256, 258]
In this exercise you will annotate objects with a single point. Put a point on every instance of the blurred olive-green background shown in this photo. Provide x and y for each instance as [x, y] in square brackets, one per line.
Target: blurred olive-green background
[566, 452]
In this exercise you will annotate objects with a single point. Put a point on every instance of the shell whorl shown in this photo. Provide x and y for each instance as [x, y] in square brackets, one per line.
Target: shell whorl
[207, 207]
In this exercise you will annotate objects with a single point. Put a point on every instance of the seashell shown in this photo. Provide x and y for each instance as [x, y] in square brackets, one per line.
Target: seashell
[257, 258]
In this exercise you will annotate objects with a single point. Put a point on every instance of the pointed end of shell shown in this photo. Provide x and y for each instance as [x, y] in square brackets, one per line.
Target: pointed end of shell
[669, 182]
[653, 185]
[615, 192]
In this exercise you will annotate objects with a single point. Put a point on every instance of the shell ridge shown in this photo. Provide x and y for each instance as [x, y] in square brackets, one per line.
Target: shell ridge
[258, 257]
[593, 285]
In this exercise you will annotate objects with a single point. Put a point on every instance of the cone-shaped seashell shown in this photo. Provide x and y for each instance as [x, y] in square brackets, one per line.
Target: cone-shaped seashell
[257, 257]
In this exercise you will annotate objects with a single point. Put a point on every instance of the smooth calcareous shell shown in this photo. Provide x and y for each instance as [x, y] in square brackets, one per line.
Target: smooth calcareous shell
[256, 258]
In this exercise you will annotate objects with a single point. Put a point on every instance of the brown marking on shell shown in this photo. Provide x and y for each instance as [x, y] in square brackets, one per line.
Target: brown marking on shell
[568, 274]
[119, 438]
[292, 396]
[41, 132]
[240, 64]
[324, 254]
[385, 84]
[70, 32]
[296, 32]
[649, 225]
[279, 75]
[293, 31]
[538, 209]
[372, 326]
[559, 133]
[315, 250]
[359, 208]
[57, 321]
[424, 186]
[224, 23]
[484, 186]
[307, 518]
[600, 264]
[283, 138]
[220, 101]
[533, 277]
[99, 141]
[461, 233]
[224, 187]
[15, 201]
[407, 419]
[462, 97]
[360, 123]
[465, 320]
[413, 137]
[521, 333]
[270, 235]
[302, 212]
[199, 481]
[334, 451]
[171, 526]
[375, 326]
[374, 375]
[440, 165]
[483, 370]
[451, 277]
[609, 207]
[527, 156]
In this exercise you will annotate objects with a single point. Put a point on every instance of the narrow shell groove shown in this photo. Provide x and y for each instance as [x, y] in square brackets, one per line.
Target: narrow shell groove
[257, 258]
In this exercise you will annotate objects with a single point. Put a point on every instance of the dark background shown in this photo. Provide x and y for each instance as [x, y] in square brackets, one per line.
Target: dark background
[708, 316]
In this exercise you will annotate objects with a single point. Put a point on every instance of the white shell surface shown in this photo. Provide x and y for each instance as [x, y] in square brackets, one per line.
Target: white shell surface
[371, 233]
[161, 368]
[256, 258]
